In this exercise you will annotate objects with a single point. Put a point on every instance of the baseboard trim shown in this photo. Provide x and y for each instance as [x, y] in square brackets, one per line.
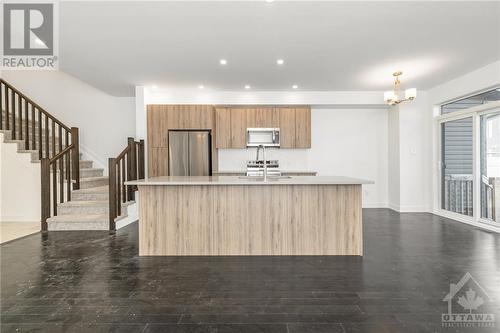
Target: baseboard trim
[19, 219]
[414, 209]
[132, 215]
[466, 220]
[375, 205]
[393, 207]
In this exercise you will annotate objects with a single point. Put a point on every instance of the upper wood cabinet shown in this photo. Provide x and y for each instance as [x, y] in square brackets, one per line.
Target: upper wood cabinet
[262, 117]
[232, 122]
[223, 128]
[164, 117]
[239, 124]
[287, 127]
[303, 128]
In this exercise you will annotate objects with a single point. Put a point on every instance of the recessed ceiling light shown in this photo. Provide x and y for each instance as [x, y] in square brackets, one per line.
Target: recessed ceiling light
[154, 86]
[280, 61]
[223, 62]
[247, 86]
[269, 1]
[201, 86]
[295, 86]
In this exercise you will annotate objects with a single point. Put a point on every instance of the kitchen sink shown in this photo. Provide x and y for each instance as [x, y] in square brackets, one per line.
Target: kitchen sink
[260, 178]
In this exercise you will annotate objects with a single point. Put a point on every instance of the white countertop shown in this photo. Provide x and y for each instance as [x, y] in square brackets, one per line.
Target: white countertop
[245, 171]
[232, 180]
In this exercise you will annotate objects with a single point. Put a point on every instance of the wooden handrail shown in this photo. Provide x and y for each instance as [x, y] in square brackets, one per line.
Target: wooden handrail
[57, 145]
[61, 153]
[128, 165]
[30, 101]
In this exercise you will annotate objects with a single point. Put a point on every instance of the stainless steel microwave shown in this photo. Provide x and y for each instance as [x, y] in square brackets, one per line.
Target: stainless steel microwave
[267, 137]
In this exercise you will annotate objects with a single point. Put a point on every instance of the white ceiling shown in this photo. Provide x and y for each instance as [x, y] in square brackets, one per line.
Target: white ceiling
[327, 46]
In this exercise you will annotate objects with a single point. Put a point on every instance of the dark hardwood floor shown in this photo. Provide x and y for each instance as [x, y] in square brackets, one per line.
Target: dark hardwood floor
[95, 282]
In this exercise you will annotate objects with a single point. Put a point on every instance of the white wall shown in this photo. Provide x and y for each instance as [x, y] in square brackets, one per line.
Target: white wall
[345, 142]
[479, 80]
[414, 155]
[393, 155]
[19, 185]
[104, 121]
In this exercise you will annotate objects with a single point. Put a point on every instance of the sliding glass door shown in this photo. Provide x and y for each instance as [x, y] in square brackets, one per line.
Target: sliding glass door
[457, 164]
[469, 130]
[490, 166]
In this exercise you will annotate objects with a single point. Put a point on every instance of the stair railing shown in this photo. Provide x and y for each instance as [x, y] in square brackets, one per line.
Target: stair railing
[128, 165]
[57, 145]
[56, 181]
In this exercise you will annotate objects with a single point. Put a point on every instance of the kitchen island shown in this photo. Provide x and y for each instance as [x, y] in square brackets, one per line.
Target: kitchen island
[223, 215]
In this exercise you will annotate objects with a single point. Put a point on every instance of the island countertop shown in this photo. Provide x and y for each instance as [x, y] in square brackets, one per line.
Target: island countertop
[233, 180]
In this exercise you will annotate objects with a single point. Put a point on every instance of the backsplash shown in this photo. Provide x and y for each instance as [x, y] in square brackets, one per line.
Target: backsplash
[289, 159]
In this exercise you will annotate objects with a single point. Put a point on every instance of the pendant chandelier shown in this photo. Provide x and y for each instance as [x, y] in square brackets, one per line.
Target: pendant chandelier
[393, 97]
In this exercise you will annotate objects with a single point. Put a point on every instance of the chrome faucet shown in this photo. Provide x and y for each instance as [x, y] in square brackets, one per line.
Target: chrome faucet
[264, 158]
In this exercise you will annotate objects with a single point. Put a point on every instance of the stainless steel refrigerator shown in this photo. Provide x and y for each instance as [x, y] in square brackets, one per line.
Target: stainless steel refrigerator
[189, 153]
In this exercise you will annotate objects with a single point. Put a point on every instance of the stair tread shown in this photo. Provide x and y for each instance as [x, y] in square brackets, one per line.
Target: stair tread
[80, 218]
[92, 190]
[75, 203]
[89, 179]
[91, 169]
[27, 151]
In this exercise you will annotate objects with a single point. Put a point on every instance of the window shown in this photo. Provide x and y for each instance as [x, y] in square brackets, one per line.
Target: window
[490, 166]
[457, 161]
[465, 103]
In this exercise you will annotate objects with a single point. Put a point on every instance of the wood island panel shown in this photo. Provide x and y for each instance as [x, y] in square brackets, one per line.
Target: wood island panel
[250, 220]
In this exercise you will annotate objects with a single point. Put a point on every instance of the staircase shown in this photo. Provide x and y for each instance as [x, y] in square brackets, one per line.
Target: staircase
[88, 207]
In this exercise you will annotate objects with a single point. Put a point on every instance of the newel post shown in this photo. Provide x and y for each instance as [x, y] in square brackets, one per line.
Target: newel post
[45, 192]
[75, 157]
[141, 160]
[112, 193]
[131, 166]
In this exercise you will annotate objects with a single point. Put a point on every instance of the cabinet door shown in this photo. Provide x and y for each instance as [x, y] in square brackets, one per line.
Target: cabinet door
[251, 115]
[238, 127]
[287, 127]
[262, 117]
[223, 128]
[303, 127]
[157, 162]
[154, 125]
[270, 117]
